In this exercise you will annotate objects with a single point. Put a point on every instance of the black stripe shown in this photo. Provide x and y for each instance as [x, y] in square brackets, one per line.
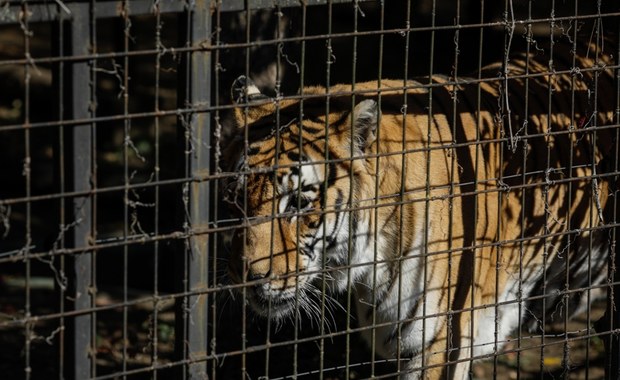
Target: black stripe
[253, 150]
[314, 224]
[331, 240]
[312, 130]
[341, 120]
[331, 176]
[293, 156]
[310, 187]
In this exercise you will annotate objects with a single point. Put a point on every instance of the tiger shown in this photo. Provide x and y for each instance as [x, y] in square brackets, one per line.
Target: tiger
[454, 210]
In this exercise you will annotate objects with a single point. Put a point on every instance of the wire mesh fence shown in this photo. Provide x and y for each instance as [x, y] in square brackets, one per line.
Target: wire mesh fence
[309, 189]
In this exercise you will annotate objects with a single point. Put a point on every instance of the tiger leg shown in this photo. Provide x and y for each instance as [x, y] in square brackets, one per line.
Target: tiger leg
[439, 362]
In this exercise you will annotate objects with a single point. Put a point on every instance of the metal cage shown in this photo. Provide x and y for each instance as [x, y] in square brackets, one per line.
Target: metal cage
[117, 123]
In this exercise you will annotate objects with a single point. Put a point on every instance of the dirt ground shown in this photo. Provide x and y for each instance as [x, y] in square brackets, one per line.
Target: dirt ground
[522, 359]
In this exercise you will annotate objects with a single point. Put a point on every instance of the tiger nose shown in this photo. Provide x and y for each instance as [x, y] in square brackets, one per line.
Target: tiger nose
[260, 288]
[258, 268]
[256, 276]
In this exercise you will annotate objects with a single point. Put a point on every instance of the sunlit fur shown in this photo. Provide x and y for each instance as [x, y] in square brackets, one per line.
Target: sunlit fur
[444, 222]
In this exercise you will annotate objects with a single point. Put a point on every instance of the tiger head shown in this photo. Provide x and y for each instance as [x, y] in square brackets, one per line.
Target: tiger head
[292, 192]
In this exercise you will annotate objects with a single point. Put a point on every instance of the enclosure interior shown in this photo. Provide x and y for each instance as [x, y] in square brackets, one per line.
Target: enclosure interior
[116, 127]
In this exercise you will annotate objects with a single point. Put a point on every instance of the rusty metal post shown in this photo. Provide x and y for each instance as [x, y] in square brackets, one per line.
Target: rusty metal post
[195, 135]
[80, 137]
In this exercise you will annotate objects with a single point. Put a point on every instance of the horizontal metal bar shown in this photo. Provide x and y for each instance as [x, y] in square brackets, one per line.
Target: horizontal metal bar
[11, 12]
[205, 108]
[202, 177]
[19, 322]
[261, 347]
[45, 11]
[178, 235]
[221, 357]
[239, 5]
[295, 39]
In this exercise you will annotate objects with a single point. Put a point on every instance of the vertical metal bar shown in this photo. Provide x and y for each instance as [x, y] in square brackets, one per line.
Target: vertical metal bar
[612, 348]
[29, 327]
[92, 46]
[246, 147]
[197, 91]
[476, 199]
[218, 168]
[329, 58]
[569, 214]
[400, 314]
[126, 177]
[427, 184]
[524, 198]
[274, 210]
[453, 340]
[81, 154]
[610, 322]
[351, 195]
[374, 295]
[302, 57]
[547, 243]
[60, 181]
[156, 170]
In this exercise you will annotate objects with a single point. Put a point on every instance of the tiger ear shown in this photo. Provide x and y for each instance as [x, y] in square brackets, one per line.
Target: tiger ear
[244, 90]
[246, 95]
[365, 117]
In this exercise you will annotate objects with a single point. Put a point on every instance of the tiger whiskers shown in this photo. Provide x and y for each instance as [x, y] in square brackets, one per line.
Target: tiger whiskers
[311, 301]
[314, 300]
